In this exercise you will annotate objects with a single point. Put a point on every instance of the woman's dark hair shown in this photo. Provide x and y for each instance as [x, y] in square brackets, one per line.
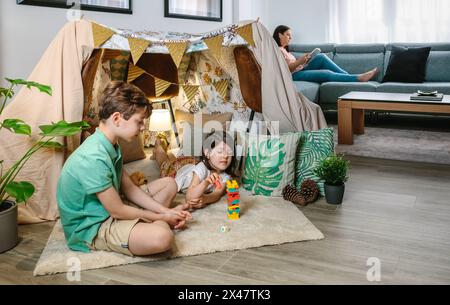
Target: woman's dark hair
[213, 139]
[281, 29]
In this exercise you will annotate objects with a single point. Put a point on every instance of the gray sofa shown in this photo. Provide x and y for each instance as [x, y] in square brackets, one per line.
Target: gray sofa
[358, 58]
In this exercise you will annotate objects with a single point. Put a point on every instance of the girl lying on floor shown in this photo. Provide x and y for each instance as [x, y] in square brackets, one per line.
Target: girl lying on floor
[203, 181]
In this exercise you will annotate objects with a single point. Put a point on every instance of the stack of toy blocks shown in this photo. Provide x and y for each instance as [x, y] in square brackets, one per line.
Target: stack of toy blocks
[233, 200]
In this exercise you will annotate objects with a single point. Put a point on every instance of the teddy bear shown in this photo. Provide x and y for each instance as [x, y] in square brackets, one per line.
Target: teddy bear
[138, 178]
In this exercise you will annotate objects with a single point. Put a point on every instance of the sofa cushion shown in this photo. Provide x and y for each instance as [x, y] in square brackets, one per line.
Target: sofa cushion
[437, 60]
[308, 89]
[360, 58]
[360, 48]
[438, 67]
[331, 91]
[357, 63]
[270, 163]
[314, 146]
[304, 48]
[407, 64]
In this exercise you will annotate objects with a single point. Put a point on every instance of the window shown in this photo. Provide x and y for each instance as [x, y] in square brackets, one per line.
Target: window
[359, 21]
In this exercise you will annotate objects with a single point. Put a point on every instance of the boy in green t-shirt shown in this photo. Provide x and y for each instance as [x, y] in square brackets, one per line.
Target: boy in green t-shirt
[88, 193]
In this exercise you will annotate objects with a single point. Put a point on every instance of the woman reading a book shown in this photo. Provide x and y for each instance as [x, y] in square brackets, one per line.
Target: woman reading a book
[315, 67]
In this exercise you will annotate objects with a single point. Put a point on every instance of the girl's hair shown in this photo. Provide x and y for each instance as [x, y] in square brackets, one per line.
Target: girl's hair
[281, 29]
[124, 98]
[213, 139]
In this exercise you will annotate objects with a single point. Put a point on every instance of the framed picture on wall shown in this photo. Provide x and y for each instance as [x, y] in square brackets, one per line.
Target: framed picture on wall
[110, 6]
[194, 9]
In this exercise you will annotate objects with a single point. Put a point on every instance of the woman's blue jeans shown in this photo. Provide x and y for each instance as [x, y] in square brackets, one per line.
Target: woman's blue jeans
[322, 69]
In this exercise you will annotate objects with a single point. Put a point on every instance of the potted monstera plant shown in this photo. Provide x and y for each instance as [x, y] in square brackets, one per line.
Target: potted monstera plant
[15, 192]
[333, 170]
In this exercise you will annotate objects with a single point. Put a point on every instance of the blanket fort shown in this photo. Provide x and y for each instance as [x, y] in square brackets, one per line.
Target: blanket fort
[200, 73]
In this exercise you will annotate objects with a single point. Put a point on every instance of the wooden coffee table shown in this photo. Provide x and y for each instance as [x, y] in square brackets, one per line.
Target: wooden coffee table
[351, 108]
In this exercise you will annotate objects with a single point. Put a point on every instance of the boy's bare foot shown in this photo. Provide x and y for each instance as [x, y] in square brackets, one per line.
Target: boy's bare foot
[365, 77]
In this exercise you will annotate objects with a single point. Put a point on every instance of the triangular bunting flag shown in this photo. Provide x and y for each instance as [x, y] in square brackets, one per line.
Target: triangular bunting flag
[215, 45]
[190, 91]
[101, 34]
[160, 86]
[222, 88]
[246, 32]
[134, 72]
[176, 50]
[137, 48]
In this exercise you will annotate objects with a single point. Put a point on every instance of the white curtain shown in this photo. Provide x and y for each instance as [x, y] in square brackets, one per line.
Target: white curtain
[383, 21]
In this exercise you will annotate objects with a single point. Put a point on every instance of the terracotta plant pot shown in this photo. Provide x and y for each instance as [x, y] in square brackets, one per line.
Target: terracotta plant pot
[334, 194]
[8, 226]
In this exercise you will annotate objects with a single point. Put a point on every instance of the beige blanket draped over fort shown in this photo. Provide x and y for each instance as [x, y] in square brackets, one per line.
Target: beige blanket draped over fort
[60, 67]
[280, 100]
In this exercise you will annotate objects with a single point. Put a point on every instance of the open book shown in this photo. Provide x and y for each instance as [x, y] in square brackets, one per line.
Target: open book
[313, 54]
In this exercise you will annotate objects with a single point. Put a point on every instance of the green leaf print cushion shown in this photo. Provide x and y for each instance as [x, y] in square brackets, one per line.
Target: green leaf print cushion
[314, 146]
[270, 163]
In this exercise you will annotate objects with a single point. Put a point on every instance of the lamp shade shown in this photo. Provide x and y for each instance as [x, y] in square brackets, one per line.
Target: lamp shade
[160, 120]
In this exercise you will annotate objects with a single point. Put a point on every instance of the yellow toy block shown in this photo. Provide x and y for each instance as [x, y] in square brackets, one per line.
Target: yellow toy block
[234, 216]
[232, 184]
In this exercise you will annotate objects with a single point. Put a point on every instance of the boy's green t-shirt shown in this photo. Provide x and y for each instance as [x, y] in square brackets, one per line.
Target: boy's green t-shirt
[94, 167]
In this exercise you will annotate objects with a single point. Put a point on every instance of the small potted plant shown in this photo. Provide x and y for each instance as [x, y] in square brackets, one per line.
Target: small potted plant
[20, 191]
[333, 171]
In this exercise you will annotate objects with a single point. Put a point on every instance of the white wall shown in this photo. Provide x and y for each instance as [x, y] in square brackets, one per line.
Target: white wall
[308, 19]
[26, 31]
[251, 10]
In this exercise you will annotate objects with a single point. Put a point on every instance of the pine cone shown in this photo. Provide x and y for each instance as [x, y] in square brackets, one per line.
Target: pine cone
[290, 193]
[309, 190]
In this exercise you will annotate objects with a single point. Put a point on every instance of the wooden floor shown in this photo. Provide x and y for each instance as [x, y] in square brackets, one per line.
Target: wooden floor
[398, 212]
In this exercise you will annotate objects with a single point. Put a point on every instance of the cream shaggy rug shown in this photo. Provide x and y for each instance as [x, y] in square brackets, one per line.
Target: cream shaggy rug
[264, 221]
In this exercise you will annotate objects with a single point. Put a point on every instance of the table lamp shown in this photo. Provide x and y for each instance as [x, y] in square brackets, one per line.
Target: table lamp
[160, 121]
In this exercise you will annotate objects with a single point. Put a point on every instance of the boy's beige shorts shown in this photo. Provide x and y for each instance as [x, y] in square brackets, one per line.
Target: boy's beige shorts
[113, 235]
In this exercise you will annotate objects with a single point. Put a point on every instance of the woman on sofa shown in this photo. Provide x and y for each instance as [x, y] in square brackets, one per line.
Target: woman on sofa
[319, 69]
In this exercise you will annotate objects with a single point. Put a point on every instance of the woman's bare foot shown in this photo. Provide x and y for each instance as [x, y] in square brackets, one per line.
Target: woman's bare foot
[365, 77]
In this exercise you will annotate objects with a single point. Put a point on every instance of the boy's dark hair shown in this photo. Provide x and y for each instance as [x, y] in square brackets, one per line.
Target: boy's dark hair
[124, 98]
[214, 138]
[281, 29]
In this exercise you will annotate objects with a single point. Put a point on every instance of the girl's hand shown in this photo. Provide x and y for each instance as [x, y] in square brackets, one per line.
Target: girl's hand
[197, 203]
[212, 178]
